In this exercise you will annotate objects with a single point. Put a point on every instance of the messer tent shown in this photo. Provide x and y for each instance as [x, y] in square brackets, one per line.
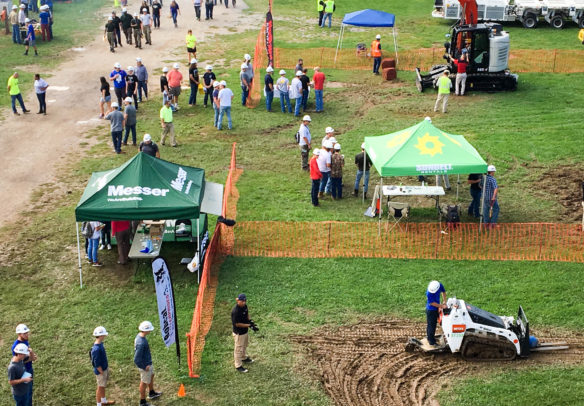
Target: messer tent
[143, 188]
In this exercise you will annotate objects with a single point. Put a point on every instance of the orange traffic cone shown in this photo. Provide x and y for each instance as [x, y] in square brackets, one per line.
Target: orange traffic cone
[181, 391]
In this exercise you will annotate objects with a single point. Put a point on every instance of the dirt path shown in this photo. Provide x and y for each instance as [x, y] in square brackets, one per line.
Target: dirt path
[366, 364]
[33, 144]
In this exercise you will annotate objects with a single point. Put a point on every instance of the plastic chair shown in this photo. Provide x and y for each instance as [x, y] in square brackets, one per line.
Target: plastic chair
[398, 212]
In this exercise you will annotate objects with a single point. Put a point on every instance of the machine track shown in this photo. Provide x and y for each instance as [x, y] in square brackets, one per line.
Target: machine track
[485, 349]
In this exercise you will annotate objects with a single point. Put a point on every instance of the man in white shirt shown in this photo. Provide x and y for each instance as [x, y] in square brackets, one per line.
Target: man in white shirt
[282, 85]
[146, 25]
[324, 165]
[40, 88]
[296, 93]
[304, 141]
[225, 96]
[245, 83]
[329, 133]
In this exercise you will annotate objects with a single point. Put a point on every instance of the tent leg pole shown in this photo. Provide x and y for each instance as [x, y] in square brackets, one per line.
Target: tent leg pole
[339, 42]
[380, 205]
[482, 203]
[79, 256]
[457, 185]
[199, 253]
[364, 167]
[395, 45]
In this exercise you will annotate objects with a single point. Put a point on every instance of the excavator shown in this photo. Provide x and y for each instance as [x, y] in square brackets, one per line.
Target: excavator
[487, 46]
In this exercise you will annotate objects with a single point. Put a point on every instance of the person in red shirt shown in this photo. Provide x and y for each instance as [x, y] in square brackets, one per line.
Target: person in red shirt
[121, 230]
[318, 82]
[174, 78]
[315, 176]
[461, 65]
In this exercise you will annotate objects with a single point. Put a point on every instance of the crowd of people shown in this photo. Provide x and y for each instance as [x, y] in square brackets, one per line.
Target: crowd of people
[28, 20]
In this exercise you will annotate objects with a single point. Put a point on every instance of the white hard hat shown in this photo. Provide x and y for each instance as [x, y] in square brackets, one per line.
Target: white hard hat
[118, 65]
[100, 330]
[22, 6]
[306, 118]
[45, 7]
[146, 326]
[124, 10]
[247, 57]
[329, 130]
[193, 60]
[147, 137]
[136, 14]
[21, 349]
[363, 146]
[115, 104]
[21, 329]
[328, 144]
[208, 67]
[269, 69]
[491, 168]
[110, 18]
[216, 84]
[333, 140]
[27, 20]
[428, 119]
[338, 146]
[316, 151]
[176, 66]
[299, 73]
[14, 7]
[138, 59]
[244, 66]
[165, 69]
[282, 72]
[223, 83]
[130, 68]
[433, 286]
[128, 99]
[378, 36]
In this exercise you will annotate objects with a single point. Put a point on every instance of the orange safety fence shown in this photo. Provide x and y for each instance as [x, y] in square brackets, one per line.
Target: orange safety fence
[221, 243]
[508, 241]
[259, 63]
[520, 60]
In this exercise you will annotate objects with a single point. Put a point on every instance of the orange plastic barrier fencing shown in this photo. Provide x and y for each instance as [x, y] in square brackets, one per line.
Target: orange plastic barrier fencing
[221, 242]
[508, 241]
[520, 60]
[259, 63]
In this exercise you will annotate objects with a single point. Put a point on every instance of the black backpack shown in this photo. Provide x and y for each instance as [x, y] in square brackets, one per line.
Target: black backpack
[297, 137]
[86, 229]
[453, 216]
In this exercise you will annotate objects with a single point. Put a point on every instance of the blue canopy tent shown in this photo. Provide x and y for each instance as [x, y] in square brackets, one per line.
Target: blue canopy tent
[368, 18]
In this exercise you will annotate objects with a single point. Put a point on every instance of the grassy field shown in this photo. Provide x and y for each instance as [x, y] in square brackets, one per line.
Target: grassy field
[527, 134]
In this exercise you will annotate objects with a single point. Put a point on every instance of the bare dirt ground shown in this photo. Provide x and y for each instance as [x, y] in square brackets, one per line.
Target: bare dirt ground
[366, 364]
[565, 182]
[33, 145]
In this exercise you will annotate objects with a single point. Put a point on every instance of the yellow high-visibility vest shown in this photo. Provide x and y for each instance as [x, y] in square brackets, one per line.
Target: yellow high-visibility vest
[329, 6]
[319, 7]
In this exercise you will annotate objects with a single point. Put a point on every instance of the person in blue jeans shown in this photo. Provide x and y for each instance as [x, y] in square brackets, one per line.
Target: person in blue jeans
[225, 97]
[116, 127]
[491, 204]
[245, 84]
[16, 370]
[22, 332]
[295, 93]
[215, 101]
[433, 293]
[475, 181]
[13, 17]
[174, 12]
[282, 84]
[93, 243]
[363, 163]
[269, 87]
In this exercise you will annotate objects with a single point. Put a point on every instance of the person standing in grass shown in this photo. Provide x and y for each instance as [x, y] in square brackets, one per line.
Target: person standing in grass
[118, 77]
[216, 103]
[444, 86]
[318, 82]
[22, 338]
[121, 230]
[363, 163]
[304, 141]
[143, 360]
[245, 85]
[225, 97]
[376, 53]
[315, 177]
[105, 98]
[269, 88]
[324, 164]
[191, 42]
[337, 163]
[17, 379]
[16, 38]
[282, 84]
[100, 366]
[241, 323]
[166, 122]
[174, 12]
[14, 91]
[329, 8]
[142, 74]
[30, 38]
[433, 293]
[320, 9]
[193, 82]
[129, 121]
[305, 83]
[45, 18]
[491, 194]
[209, 79]
[174, 84]
[40, 88]
[296, 93]
[132, 86]
[475, 180]
[149, 147]
[116, 117]
[164, 86]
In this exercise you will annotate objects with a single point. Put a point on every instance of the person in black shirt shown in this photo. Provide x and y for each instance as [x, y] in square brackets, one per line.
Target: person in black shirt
[475, 181]
[144, 6]
[126, 20]
[131, 85]
[359, 158]
[105, 98]
[305, 82]
[156, 13]
[164, 86]
[109, 32]
[269, 88]
[149, 147]
[136, 25]
[208, 79]
[241, 323]
[194, 82]
[117, 24]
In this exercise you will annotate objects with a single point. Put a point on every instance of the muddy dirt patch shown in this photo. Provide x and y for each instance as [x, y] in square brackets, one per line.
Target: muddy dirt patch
[366, 364]
[565, 183]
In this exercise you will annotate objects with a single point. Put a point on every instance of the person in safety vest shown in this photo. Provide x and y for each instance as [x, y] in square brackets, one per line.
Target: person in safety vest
[320, 9]
[581, 36]
[376, 53]
[329, 8]
[444, 86]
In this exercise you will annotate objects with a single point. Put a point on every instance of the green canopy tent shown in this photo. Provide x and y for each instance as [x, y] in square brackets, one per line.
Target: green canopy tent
[421, 150]
[143, 188]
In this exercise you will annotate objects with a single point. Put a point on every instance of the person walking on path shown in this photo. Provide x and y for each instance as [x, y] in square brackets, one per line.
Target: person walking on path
[296, 93]
[142, 74]
[444, 86]
[241, 323]
[282, 84]
[269, 88]
[100, 366]
[14, 92]
[136, 25]
[126, 20]
[19, 382]
[40, 88]
[149, 147]
[22, 338]
[143, 360]
[197, 4]
[225, 96]
[209, 79]
[318, 82]
[475, 180]
[117, 29]
[194, 82]
[30, 38]
[376, 53]
[329, 8]
[215, 101]
[156, 6]
[167, 124]
[132, 85]
[105, 96]
[244, 82]
[16, 38]
[491, 194]
[116, 117]
[109, 33]
[118, 77]
[174, 84]
[363, 163]
[129, 121]
[146, 20]
[191, 42]
[315, 177]
[337, 163]
[461, 65]
[208, 9]
[121, 230]
[174, 12]
[433, 293]
[304, 141]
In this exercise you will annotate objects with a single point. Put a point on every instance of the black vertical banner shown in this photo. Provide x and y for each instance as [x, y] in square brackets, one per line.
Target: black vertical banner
[270, 37]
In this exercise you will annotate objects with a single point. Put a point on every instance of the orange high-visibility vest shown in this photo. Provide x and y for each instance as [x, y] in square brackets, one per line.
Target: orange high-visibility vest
[375, 51]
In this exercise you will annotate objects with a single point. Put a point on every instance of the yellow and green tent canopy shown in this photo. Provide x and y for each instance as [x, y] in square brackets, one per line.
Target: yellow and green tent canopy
[423, 150]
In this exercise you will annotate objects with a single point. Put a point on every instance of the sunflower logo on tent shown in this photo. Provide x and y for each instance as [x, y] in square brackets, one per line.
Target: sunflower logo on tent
[429, 145]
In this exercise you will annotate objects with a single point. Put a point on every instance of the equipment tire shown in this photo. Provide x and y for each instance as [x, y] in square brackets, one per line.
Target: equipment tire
[557, 22]
[581, 22]
[529, 20]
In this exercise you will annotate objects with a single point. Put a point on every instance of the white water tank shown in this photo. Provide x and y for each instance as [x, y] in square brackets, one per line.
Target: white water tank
[499, 52]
